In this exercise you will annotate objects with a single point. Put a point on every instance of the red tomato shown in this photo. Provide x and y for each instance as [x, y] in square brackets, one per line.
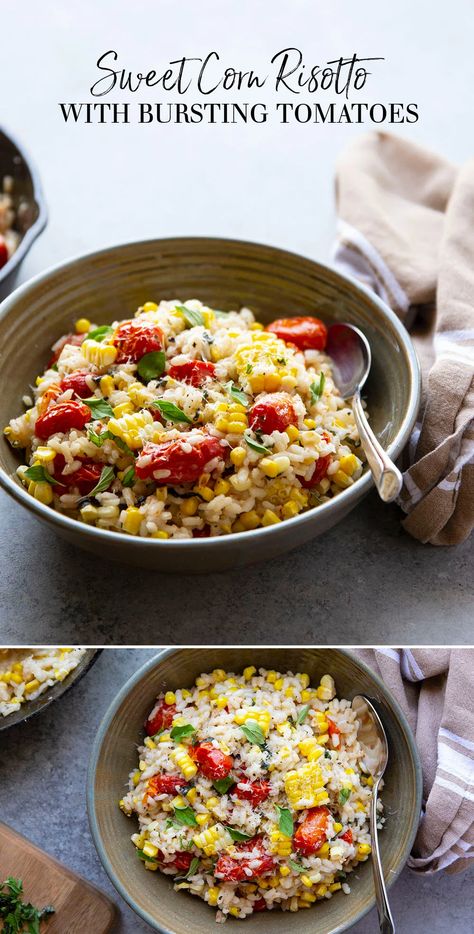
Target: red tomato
[3, 252]
[164, 785]
[260, 905]
[183, 466]
[273, 413]
[85, 478]
[202, 533]
[61, 417]
[57, 348]
[320, 471]
[161, 718]
[255, 792]
[52, 393]
[134, 339]
[78, 382]
[347, 836]
[305, 332]
[233, 870]
[333, 730]
[311, 833]
[194, 372]
[182, 861]
[213, 763]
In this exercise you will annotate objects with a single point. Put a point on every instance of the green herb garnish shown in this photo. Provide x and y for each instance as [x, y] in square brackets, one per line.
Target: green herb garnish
[185, 816]
[171, 411]
[302, 714]
[106, 478]
[222, 785]
[344, 795]
[236, 394]
[179, 732]
[296, 866]
[100, 408]
[256, 446]
[237, 835]
[17, 915]
[129, 477]
[99, 334]
[98, 439]
[39, 474]
[193, 318]
[317, 389]
[285, 821]
[151, 365]
[193, 867]
[253, 732]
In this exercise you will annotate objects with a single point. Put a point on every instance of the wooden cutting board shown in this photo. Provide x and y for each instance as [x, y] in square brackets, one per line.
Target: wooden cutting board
[79, 906]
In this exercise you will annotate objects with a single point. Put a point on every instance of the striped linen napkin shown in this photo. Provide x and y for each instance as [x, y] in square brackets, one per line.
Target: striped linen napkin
[434, 689]
[407, 230]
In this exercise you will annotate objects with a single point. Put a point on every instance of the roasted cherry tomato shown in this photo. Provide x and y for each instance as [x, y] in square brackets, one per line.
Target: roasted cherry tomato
[260, 905]
[212, 762]
[61, 417]
[3, 252]
[183, 860]
[255, 792]
[347, 836]
[134, 339]
[165, 785]
[274, 412]
[161, 718]
[183, 466]
[57, 348]
[85, 478]
[77, 381]
[333, 730]
[202, 533]
[305, 332]
[51, 393]
[311, 833]
[320, 471]
[234, 870]
[194, 372]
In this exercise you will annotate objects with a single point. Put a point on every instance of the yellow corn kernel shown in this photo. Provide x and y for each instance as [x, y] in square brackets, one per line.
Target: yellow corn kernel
[306, 881]
[281, 727]
[305, 696]
[249, 672]
[299, 496]
[272, 677]
[150, 849]
[349, 464]
[337, 827]
[304, 678]
[280, 844]
[335, 886]
[31, 686]
[206, 492]
[250, 520]
[290, 510]
[212, 896]
[306, 899]
[160, 534]
[236, 428]
[212, 803]
[138, 840]
[292, 432]
[285, 871]
[219, 675]
[368, 781]
[221, 423]
[136, 778]
[124, 408]
[170, 698]
[309, 423]
[363, 850]
[132, 520]
[183, 760]
[151, 865]
[43, 492]
[45, 455]
[323, 851]
[150, 306]
[17, 668]
[202, 819]
[235, 912]
[221, 702]
[164, 738]
[341, 479]
[328, 685]
[128, 427]
[100, 355]
[221, 487]
[213, 839]
[303, 786]
[307, 745]
[190, 506]
[179, 721]
[107, 385]
[191, 795]
[17, 679]
[237, 456]
[82, 325]
[262, 717]
[274, 467]
[279, 684]
[321, 891]
[270, 518]
[358, 806]
[178, 802]
[149, 743]
[289, 692]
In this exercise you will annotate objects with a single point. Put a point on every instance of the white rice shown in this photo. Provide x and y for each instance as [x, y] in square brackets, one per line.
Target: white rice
[27, 673]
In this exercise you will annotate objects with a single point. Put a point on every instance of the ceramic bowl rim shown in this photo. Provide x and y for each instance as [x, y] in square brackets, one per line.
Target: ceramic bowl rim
[39, 224]
[346, 498]
[127, 688]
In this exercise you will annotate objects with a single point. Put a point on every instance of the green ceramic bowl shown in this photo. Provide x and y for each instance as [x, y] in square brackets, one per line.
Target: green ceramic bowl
[114, 756]
[226, 274]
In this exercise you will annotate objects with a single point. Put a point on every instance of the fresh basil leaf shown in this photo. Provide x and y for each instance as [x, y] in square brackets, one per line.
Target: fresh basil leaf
[151, 365]
[253, 732]
[344, 795]
[100, 408]
[236, 394]
[237, 835]
[171, 411]
[39, 474]
[193, 318]
[185, 816]
[222, 785]
[193, 867]
[99, 334]
[146, 859]
[179, 732]
[285, 821]
[317, 388]
[129, 477]
[120, 443]
[256, 446]
[302, 714]
[106, 478]
[54, 367]
[296, 866]
[97, 439]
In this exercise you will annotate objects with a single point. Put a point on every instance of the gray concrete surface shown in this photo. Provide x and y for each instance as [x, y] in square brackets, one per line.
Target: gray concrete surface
[42, 794]
[366, 581]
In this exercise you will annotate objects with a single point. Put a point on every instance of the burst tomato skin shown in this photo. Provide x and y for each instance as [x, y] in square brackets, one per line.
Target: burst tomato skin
[233, 870]
[260, 905]
[182, 861]
[161, 719]
[319, 472]
[275, 412]
[133, 339]
[305, 332]
[311, 833]
[77, 381]
[75, 339]
[194, 372]
[184, 466]
[61, 417]
[3, 252]
[212, 762]
[165, 785]
[347, 836]
[255, 792]
[85, 478]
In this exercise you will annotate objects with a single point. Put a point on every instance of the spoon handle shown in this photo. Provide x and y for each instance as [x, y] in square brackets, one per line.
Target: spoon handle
[387, 925]
[387, 476]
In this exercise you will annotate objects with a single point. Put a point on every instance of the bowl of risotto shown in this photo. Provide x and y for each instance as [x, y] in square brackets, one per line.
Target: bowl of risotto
[194, 432]
[229, 784]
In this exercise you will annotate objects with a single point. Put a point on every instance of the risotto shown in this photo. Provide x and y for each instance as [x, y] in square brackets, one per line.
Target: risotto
[187, 421]
[9, 238]
[27, 673]
[252, 791]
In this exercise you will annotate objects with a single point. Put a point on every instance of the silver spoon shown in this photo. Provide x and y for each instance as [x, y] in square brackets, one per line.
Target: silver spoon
[373, 740]
[350, 353]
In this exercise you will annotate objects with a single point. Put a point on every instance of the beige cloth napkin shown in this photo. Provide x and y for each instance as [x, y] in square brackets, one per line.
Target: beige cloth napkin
[407, 230]
[434, 689]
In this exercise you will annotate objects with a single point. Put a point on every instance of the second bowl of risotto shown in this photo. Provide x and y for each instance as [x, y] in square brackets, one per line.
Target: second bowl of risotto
[158, 421]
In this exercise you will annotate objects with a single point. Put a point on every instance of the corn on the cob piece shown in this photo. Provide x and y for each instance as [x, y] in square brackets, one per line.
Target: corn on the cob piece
[100, 355]
[263, 718]
[184, 762]
[280, 844]
[212, 840]
[128, 427]
[305, 787]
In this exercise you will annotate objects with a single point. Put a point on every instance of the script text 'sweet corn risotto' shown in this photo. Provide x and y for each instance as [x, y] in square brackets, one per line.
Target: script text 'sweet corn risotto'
[252, 791]
[27, 673]
[187, 422]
